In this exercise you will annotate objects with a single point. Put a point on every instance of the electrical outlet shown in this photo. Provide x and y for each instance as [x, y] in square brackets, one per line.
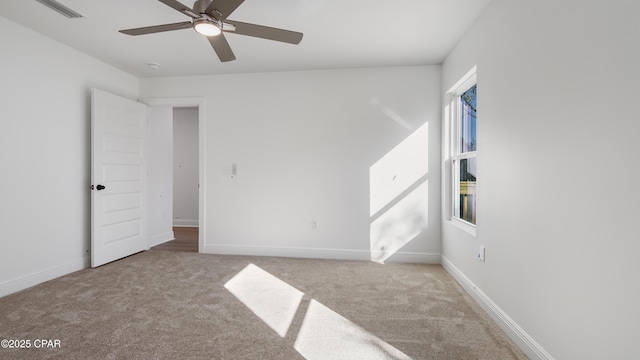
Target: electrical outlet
[314, 224]
[481, 253]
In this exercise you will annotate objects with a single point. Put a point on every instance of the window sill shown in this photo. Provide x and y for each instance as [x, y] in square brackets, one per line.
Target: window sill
[463, 225]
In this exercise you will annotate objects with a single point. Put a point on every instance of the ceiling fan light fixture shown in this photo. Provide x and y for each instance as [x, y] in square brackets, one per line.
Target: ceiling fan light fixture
[206, 27]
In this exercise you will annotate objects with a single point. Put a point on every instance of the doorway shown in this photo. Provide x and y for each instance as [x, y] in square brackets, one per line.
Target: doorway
[185, 179]
[175, 175]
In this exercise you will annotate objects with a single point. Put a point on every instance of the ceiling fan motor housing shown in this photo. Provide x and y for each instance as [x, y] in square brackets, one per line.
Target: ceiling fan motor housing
[200, 6]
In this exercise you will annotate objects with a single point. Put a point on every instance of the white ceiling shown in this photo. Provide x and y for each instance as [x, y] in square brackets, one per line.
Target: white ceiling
[337, 34]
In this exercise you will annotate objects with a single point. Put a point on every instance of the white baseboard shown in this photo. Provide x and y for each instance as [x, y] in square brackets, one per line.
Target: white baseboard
[309, 253]
[414, 258]
[526, 343]
[161, 238]
[185, 223]
[45, 275]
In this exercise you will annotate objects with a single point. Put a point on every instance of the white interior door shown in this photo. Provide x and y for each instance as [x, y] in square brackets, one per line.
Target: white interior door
[119, 177]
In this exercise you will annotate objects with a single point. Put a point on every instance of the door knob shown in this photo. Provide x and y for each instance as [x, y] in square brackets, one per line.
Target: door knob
[100, 187]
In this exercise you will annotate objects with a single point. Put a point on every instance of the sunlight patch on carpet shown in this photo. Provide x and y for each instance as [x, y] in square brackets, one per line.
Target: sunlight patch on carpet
[271, 299]
[326, 334]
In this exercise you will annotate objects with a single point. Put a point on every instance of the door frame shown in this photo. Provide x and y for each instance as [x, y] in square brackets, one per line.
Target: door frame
[199, 103]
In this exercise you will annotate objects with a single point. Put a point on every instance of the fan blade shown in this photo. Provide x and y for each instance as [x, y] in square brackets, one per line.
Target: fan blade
[221, 47]
[265, 32]
[158, 28]
[224, 7]
[181, 7]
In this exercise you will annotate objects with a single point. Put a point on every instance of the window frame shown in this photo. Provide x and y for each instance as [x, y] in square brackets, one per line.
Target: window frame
[466, 83]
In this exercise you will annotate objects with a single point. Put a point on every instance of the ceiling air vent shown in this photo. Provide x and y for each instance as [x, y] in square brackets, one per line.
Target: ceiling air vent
[62, 9]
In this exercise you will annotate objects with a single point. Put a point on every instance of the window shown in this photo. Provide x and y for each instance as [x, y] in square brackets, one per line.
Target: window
[464, 142]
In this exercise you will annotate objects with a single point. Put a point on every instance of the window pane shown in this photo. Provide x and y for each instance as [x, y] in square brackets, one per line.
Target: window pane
[467, 202]
[468, 120]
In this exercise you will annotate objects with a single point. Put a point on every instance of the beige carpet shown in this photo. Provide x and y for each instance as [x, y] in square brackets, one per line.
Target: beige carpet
[170, 305]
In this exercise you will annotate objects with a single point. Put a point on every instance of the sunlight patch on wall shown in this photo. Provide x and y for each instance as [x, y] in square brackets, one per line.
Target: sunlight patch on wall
[375, 103]
[400, 224]
[399, 169]
[325, 334]
[271, 299]
[399, 195]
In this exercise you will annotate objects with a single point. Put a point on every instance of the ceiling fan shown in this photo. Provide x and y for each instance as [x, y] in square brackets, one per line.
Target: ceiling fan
[209, 18]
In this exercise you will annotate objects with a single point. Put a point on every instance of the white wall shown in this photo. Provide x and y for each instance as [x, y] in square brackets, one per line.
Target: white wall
[185, 166]
[45, 151]
[304, 144]
[160, 178]
[557, 206]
